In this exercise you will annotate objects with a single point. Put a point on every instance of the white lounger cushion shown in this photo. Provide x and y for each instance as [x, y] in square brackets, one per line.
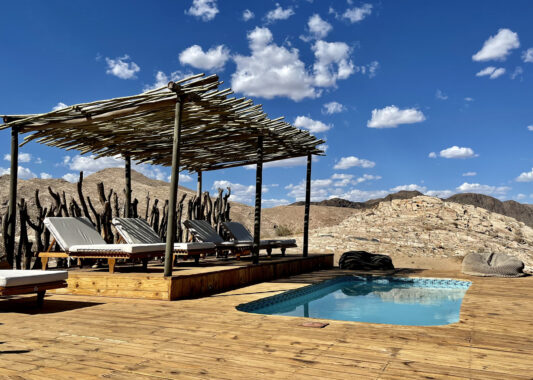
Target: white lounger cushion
[69, 231]
[194, 246]
[125, 248]
[13, 277]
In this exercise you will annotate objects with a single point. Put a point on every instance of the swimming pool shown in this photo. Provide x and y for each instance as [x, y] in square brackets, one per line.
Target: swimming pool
[389, 300]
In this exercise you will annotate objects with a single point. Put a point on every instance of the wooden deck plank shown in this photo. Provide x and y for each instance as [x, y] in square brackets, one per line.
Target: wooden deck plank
[93, 337]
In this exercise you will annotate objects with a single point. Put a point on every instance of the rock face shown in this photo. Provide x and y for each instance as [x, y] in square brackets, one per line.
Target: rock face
[362, 260]
[492, 265]
[426, 227]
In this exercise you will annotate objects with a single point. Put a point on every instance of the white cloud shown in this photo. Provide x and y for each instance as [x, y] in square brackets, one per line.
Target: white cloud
[213, 59]
[274, 202]
[351, 161]
[279, 13]
[518, 71]
[441, 95]
[320, 189]
[185, 178]
[527, 55]
[432, 155]
[469, 99]
[59, 106]
[287, 163]
[457, 152]
[439, 193]
[521, 196]
[411, 187]
[318, 27]
[392, 116]
[357, 14]
[122, 69]
[239, 193]
[23, 157]
[332, 62]
[369, 69]
[44, 175]
[530, 127]
[271, 70]
[483, 189]
[247, 15]
[356, 195]
[492, 72]
[366, 177]
[71, 177]
[162, 79]
[332, 107]
[313, 126]
[525, 177]
[22, 173]
[204, 9]
[498, 47]
[469, 174]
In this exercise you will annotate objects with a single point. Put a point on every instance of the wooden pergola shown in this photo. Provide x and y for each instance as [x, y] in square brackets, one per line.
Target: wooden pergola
[188, 125]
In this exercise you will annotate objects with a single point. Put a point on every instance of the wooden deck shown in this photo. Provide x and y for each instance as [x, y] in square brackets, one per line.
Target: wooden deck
[190, 280]
[78, 337]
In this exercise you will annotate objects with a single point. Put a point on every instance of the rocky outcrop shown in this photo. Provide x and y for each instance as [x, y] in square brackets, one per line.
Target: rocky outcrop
[362, 260]
[426, 227]
[492, 265]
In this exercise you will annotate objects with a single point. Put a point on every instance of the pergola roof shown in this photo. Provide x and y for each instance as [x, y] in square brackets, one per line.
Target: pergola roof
[217, 131]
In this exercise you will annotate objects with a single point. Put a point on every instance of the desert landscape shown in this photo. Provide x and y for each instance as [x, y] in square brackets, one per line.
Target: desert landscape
[417, 231]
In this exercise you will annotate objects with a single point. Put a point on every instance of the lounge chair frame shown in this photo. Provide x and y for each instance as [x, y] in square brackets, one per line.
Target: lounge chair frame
[40, 289]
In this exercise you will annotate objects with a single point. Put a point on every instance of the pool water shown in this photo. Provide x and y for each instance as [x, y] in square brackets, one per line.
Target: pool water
[390, 300]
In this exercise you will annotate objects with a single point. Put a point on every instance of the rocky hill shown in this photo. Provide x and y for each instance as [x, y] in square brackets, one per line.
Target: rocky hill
[426, 227]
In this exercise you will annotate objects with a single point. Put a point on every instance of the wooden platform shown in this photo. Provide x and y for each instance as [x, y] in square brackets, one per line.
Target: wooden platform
[77, 337]
[190, 280]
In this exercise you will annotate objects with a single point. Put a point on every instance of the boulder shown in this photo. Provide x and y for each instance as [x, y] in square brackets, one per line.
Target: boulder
[492, 264]
[362, 260]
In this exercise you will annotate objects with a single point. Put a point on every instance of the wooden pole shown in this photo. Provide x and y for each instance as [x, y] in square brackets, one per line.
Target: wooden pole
[258, 189]
[307, 204]
[199, 189]
[12, 208]
[127, 177]
[173, 191]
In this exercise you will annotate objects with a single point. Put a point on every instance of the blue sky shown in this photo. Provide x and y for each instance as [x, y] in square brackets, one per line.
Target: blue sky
[432, 96]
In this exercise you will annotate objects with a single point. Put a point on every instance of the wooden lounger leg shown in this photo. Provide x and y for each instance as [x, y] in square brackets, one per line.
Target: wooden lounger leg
[196, 259]
[283, 251]
[111, 263]
[44, 262]
[269, 251]
[40, 298]
[145, 264]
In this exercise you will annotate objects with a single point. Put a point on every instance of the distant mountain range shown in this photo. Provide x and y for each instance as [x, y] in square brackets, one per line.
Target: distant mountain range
[519, 211]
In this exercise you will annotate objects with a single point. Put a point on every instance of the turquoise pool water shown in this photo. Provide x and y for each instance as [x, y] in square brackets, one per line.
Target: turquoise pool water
[390, 300]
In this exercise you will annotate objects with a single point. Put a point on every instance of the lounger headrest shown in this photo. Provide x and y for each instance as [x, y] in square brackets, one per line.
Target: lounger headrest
[69, 231]
[136, 231]
[238, 231]
[203, 231]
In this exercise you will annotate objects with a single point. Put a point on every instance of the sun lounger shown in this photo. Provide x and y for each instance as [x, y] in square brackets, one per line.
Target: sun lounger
[78, 238]
[14, 282]
[240, 234]
[138, 231]
[202, 231]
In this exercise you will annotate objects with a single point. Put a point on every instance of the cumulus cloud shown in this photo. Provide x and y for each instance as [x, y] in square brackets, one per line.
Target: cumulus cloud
[357, 14]
[121, 68]
[204, 9]
[162, 79]
[518, 71]
[273, 202]
[432, 155]
[22, 172]
[369, 69]
[492, 72]
[483, 189]
[411, 187]
[44, 175]
[279, 13]
[313, 126]
[392, 116]
[527, 55]
[318, 27]
[212, 59]
[59, 106]
[457, 152]
[71, 177]
[498, 47]
[287, 163]
[351, 161]
[439, 193]
[332, 62]
[441, 95]
[271, 70]
[530, 127]
[469, 99]
[525, 177]
[23, 157]
[247, 15]
[239, 193]
[469, 174]
[320, 189]
[332, 107]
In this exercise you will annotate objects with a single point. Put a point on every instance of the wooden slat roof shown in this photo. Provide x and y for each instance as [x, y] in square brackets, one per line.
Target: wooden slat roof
[217, 131]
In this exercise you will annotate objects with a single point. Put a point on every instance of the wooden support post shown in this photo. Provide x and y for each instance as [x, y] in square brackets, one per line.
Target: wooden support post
[173, 191]
[127, 177]
[258, 189]
[12, 208]
[199, 189]
[307, 204]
